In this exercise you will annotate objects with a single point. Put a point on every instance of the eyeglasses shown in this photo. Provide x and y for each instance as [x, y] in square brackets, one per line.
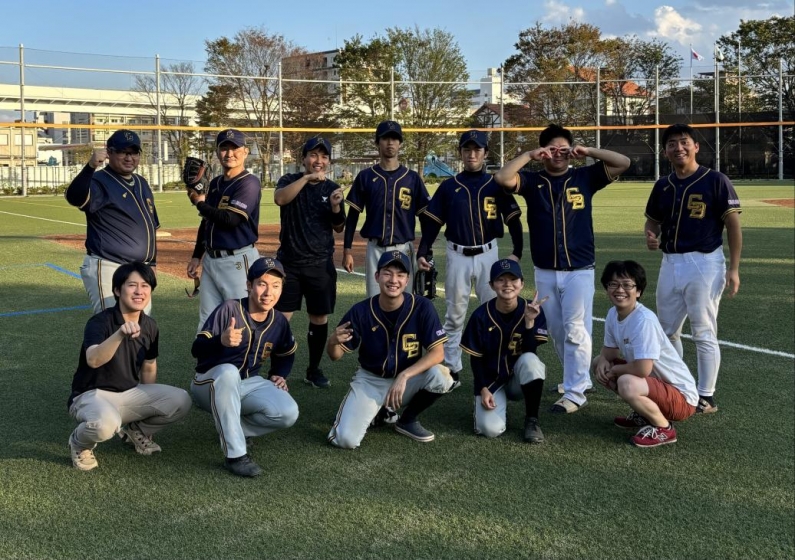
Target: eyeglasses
[626, 286]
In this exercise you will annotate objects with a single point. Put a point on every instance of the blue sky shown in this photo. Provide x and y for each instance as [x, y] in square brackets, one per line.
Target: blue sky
[486, 30]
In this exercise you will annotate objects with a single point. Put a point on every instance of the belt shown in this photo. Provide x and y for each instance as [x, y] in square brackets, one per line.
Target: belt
[381, 244]
[473, 251]
[218, 253]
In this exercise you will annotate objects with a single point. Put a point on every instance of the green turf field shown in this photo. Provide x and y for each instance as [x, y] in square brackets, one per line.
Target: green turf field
[725, 490]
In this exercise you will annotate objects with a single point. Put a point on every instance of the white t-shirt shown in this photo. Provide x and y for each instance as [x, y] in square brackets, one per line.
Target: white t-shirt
[640, 337]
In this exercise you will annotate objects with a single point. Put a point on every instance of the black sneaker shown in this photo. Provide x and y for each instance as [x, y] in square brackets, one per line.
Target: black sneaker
[414, 430]
[243, 466]
[385, 416]
[532, 431]
[317, 379]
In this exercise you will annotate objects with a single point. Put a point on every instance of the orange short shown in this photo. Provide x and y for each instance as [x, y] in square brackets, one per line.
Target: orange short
[671, 401]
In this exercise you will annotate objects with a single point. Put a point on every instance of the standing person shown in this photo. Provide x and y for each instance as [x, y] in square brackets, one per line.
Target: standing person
[685, 217]
[311, 211]
[237, 339]
[392, 197]
[115, 389]
[501, 338]
[390, 330]
[560, 221]
[474, 207]
[639, 363]
[120, 215]
[229, 226]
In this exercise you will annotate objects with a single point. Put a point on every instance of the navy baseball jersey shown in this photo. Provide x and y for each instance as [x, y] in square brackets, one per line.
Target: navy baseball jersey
[120, 373]
[390, 342]
[271, 338]
[240, 195]
[497, 340]
[306, 235]
[391, 201]
[691, 211]
[120, 215]
[474, 208]
[559, 215]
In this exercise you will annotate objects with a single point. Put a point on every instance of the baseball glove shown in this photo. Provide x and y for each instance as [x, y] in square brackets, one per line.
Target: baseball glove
[425, 282]
[193, 174]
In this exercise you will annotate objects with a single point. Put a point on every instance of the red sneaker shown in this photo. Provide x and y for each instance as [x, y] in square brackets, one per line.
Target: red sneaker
[632, 420]
[653, 436]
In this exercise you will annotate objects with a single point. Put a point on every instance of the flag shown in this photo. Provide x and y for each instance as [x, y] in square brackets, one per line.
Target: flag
[695, 55]
[719, 54]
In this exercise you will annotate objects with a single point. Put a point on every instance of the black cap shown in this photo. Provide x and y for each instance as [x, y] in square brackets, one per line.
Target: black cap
[389, 128]
[315, 143]
[505, 266]
[230, 135]
[263, 266]
[123, 139]
[394, 257]
[479, 138]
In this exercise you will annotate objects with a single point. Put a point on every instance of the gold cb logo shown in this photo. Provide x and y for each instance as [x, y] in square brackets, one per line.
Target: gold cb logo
[698, 209]
[515, 346]
[266, 350]
[574, 198]
[404, 195]
[490, 207]
[411, 345]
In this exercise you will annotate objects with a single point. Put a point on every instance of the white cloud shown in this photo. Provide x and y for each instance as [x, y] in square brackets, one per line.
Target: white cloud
[609, 2]
[557, 12]
[671, 25]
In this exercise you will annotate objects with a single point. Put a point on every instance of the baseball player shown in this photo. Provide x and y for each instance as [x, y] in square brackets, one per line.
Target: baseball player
[311, 211]
[120, 215]
[229, 226]
[501, 338]
[562, 244]
[639, 363]
[685, 217]
[473, 207]
[115, 389]
[390, 330]
[234, 344]
[392, 197]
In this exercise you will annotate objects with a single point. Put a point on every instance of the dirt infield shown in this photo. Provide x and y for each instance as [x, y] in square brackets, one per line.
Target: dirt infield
[174, 251]
[785, 202]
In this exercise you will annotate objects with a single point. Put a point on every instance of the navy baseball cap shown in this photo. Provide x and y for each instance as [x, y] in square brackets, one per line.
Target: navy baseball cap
[481, 139]
[264, 265]
[123, 139]
[505, 266]
[230, 135]
[394, 257]
[314, 143]
[389, 128]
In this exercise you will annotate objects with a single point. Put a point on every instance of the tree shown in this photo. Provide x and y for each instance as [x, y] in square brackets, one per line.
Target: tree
[179, 91]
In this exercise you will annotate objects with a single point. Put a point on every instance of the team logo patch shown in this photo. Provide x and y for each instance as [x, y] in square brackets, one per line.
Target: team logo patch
[230, 134]
[542, 332]
[325, 198]
[395, 254]
[270, 263]
[505, 264]
[239, 204]
[128, 136]
[473, 134]
[440, 332]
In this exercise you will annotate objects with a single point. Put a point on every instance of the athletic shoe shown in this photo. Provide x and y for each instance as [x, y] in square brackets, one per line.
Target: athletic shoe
[244, 466]
[532, 431]
[632, 420]
[565, 406]
[456, 375]
[414, 430]
[706, 407]
[317, 379]
[142, 442]
[82, 459]
[653, 436]
[385, 416]
[560, 390]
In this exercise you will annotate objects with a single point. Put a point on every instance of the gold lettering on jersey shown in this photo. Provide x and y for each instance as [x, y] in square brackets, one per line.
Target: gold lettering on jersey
[224, 203]
[490, 207]
[266, 350]
[574, 198]
[404, 195]
[697, 208]
[150, 205]
[515, 345]
[411, 346]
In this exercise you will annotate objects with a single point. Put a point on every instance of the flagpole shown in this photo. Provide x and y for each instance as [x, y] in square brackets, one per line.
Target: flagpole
[740, 105]
[690, 54]
[717, 108]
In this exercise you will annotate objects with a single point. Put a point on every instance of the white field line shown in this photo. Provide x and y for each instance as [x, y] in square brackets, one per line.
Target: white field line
[721, 342]
[40, 218]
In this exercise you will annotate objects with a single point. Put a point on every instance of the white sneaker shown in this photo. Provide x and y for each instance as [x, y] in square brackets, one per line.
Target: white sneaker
[83, 459]
[142, 442]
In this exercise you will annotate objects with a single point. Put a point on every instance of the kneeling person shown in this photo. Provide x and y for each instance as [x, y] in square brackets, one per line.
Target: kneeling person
[390, 330]
[114, 389]
[237, 338]
[640, 363]
[501, 338]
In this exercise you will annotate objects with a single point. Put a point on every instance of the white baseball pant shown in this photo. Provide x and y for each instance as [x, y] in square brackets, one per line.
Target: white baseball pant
[223, 278]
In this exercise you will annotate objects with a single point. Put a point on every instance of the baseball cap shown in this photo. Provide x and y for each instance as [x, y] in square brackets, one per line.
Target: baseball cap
[505, 266]
[394, 257]
[123, 139]
[388, 128]
[481, 139]
[230, 135]
[263, 266]
[314, 143]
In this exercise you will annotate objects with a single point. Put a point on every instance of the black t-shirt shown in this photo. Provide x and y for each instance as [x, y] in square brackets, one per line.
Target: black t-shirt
[121, 371]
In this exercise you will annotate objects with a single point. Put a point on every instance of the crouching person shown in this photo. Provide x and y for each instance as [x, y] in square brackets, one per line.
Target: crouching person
[501, 338]
[239, 336]
[640, 363]
[114, 390]
[390, 330]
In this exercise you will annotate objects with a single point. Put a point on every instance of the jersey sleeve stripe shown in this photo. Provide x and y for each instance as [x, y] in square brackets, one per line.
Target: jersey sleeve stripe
[352, 205]
[655, 220]
[513, 215]
[731, 211]
[290, 351]
[434, 218]
[437, 342]
[237, 211]
[471, 352]
[345, 349]
[207, 334]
